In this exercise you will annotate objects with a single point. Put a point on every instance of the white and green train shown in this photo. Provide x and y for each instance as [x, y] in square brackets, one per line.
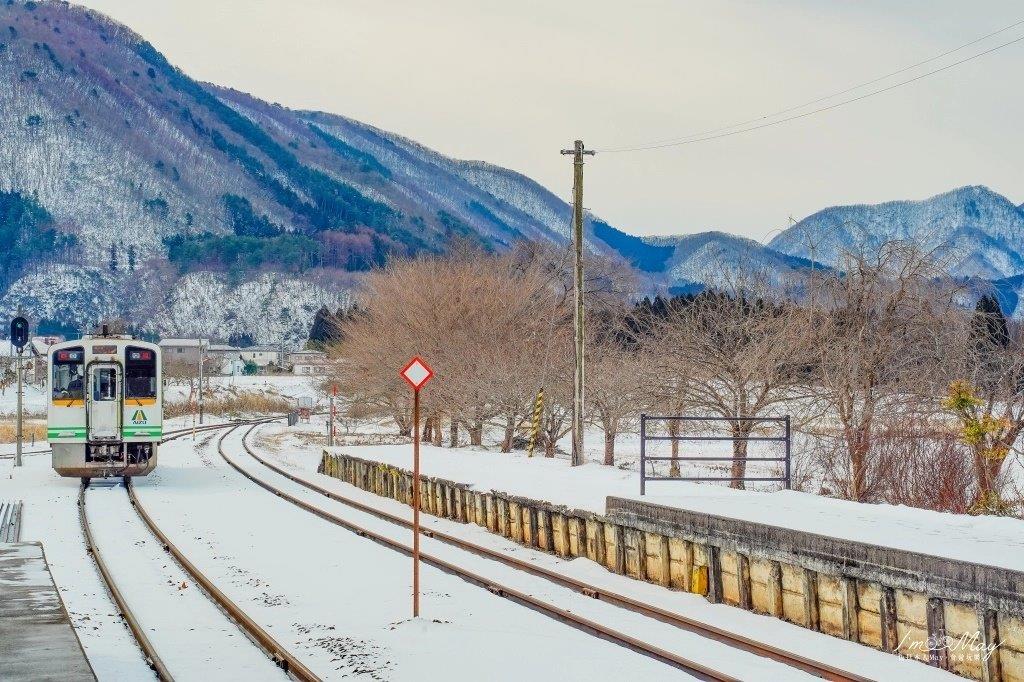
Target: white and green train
[105, 412]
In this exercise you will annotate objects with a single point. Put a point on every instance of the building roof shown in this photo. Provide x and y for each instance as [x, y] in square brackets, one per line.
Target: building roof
[307, 354]
[315, 361]
[193, 343]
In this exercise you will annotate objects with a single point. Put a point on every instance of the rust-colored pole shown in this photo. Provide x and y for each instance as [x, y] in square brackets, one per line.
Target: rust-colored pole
[416, 503]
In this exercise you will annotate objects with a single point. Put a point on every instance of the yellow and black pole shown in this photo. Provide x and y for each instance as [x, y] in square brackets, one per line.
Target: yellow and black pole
[538, 408]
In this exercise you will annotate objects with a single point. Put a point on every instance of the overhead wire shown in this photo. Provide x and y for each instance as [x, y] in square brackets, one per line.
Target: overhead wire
[726, 131]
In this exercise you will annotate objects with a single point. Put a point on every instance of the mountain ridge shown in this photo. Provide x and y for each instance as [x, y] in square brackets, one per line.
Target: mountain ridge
[128, 186]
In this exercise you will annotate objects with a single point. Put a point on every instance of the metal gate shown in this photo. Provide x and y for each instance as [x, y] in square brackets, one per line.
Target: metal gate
[786, 439]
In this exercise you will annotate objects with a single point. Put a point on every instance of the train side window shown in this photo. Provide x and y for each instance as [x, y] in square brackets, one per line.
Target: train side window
[68, 382]
[104, 384]
[140, 372]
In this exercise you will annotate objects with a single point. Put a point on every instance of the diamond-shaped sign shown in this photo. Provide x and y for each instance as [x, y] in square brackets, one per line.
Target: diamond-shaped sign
[417, 373]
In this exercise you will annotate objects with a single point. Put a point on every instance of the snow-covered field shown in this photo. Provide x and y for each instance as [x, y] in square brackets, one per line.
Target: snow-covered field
[290, 447]
[284, 385]
[339, 601]
[997, 541]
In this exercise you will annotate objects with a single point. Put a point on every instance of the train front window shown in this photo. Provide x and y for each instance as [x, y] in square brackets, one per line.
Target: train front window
[140, 373]
[104, 387]
[68, 374]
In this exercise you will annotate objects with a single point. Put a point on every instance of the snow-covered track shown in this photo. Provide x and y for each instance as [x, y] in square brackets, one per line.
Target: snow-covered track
[292, 666]
[148, 650]
[816, 668]
[694, 668]
[277, 653]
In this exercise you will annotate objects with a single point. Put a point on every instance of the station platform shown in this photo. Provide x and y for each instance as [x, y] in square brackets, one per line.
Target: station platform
[37, 641]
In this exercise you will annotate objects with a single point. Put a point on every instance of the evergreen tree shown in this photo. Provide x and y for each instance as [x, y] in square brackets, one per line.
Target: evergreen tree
[113, 258]
[989, 327]
[131, 258]
[324, 331]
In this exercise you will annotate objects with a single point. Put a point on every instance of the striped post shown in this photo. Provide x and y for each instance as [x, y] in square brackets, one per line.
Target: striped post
[538, 407]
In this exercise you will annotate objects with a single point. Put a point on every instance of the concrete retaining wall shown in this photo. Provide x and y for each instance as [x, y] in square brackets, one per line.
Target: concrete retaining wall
[884, 598]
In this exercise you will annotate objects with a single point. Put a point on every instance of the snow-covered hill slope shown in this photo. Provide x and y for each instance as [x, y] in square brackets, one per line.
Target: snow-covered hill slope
[720, 259]
[977, 232]
[154, 185]
[125, 152]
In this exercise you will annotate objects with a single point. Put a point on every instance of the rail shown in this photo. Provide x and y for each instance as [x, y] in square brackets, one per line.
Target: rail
[149, 651]
[281, 657]
[741, 642]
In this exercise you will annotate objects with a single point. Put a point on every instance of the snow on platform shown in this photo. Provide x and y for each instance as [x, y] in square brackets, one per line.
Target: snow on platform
[989, 540]
[37, 641]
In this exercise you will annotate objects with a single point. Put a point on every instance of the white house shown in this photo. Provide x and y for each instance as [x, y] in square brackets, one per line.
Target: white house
[308, 362]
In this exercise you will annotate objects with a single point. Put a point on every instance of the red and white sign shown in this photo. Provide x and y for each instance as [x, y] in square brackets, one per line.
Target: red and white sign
[417, 373]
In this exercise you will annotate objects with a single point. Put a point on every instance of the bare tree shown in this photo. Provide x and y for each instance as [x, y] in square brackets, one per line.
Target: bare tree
[616, 374]
[881, 329]
[738, 355]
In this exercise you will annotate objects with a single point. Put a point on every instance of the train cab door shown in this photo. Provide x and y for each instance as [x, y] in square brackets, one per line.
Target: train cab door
[103, 402]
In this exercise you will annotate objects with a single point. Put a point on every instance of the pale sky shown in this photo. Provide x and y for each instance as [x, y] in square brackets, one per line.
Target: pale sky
[513, 82]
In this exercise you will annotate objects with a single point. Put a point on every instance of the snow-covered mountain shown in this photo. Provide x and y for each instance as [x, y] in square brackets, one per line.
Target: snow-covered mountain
[721, 259]
[129, 189]
[126, 165]
[977, 232]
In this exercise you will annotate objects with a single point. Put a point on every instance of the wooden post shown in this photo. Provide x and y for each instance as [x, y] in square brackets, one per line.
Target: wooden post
[938, 648]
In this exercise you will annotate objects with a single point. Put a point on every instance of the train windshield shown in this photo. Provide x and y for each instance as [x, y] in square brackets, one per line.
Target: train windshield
[140, 372]
[69, 374]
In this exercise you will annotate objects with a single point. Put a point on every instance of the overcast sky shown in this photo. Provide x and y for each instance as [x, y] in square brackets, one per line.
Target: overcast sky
[513, 82]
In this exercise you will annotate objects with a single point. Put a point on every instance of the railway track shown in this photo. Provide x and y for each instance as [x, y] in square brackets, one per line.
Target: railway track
[278, 654]
[813, 667]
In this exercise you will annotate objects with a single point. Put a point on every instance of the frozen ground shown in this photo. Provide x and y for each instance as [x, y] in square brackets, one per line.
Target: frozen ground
[286, 385]
[34, 399]
[338, 601]
[290, 448]
[341, 602]
[996, 541]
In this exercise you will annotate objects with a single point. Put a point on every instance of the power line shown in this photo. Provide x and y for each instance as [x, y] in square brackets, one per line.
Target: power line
[707, 135]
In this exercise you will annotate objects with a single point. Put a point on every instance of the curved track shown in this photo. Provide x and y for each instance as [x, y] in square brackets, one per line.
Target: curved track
[817, 668]
[277, 653]
[695, 668]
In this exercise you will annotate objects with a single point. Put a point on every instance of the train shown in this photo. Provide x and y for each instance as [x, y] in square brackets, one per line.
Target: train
[105, 411]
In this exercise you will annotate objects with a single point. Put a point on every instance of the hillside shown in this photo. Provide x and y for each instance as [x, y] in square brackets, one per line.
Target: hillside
[129, 189]
[977, 232]
[132, 166]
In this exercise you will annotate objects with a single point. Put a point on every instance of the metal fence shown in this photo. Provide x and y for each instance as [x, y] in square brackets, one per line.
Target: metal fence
[786, 439]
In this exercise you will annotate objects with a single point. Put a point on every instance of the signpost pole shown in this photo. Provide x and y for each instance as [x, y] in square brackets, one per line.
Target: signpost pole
[18, 436]
[334, 396]
[416, 503]
[417, 373]
[201, 359]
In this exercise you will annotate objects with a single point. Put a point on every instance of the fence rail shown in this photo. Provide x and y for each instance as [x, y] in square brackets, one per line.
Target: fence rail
[786, 439]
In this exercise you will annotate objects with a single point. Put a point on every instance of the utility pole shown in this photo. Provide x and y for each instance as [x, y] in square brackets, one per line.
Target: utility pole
[578, 152]
[201, 363]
